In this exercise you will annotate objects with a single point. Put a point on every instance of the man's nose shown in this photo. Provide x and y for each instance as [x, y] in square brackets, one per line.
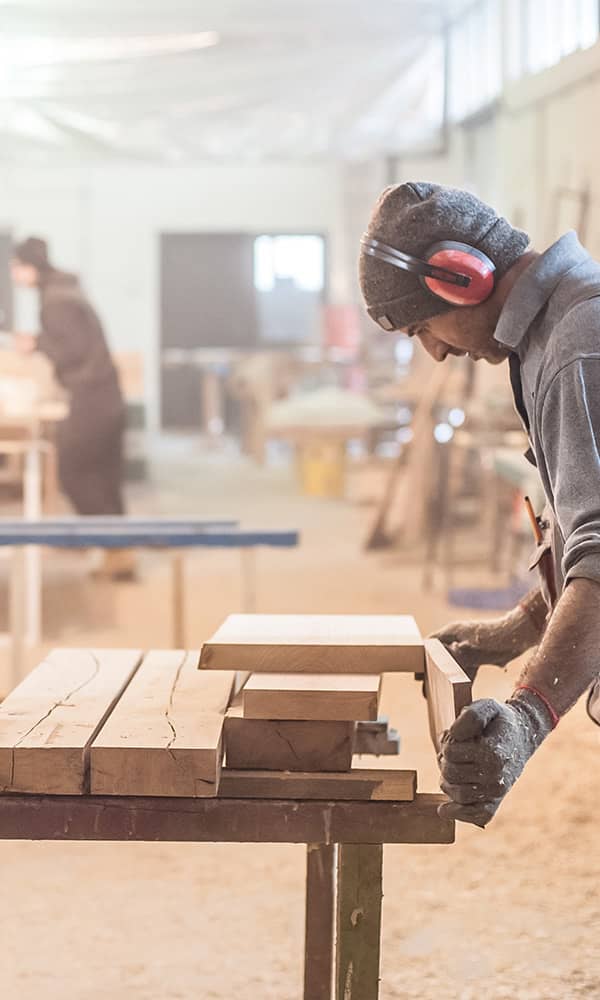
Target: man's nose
[435, 348]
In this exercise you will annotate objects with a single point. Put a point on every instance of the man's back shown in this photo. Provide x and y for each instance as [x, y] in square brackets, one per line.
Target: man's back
[551, 320]
[73, 338]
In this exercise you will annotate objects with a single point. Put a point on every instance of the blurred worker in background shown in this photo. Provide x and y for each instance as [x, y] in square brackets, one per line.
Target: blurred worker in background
[90, 440]
[442, 266]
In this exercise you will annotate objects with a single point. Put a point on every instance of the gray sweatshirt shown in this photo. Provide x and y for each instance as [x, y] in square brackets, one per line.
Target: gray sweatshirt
[551, 321]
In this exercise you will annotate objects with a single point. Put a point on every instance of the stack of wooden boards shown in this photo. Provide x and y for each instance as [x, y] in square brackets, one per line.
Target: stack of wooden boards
[314, 680]
[120, 722]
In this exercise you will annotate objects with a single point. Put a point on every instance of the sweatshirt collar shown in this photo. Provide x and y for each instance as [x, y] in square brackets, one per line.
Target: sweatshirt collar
[534, 287]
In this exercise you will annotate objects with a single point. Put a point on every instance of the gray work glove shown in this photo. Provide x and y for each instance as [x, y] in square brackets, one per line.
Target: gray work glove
[473, 644]
[484, 752]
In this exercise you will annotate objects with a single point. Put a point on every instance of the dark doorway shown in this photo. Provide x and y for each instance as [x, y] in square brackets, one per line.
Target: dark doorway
[207, 301]
[223, 293]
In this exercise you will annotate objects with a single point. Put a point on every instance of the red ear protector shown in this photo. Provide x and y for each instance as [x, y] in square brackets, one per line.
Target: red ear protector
[454, 272]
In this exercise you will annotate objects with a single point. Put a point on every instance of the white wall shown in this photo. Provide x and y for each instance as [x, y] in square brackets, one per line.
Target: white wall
[542, 138]
[104, 223]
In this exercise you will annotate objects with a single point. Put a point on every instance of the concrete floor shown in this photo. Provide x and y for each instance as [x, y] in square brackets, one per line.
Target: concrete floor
[510, 912]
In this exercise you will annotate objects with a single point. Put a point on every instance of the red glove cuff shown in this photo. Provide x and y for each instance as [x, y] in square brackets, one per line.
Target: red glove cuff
[555, 717]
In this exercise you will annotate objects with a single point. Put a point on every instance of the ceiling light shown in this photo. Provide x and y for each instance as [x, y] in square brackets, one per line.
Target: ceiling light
[36, 51]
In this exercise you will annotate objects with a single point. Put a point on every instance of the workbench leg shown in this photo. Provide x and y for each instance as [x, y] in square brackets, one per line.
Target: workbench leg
[178, 599]
[248, 557]
[50, 489]
[17, 614]
[32, 509]
[212, 404]
[359, 921]
[320, 914]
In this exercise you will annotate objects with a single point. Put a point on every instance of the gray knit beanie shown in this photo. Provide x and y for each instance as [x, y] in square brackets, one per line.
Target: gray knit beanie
[412, 218]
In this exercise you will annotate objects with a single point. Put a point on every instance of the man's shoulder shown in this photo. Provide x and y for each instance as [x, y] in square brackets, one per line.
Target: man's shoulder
[573, 323]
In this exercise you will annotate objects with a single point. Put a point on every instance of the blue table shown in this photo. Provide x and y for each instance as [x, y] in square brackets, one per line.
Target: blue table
[118, 533]
[75, 524]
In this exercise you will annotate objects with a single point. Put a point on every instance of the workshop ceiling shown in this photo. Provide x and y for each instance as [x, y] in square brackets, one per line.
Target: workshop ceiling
[182, 81]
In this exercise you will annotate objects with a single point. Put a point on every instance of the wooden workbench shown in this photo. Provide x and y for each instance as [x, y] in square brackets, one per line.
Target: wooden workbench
[344, 857]
[120, 719]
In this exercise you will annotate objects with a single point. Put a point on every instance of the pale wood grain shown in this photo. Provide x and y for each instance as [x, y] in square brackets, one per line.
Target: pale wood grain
[264, 744]
[312, 696]
[49, 721]
[359, 784]
[448, 688]
[342, 644]
[165, 735]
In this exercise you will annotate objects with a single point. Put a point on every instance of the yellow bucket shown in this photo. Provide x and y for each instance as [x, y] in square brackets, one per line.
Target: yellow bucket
[322, 468]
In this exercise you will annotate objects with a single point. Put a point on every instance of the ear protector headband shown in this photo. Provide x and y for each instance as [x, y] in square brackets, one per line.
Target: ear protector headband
[456, 273]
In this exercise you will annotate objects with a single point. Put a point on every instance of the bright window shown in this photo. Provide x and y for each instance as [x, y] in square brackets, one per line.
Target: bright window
[511, 38]
[549, 30]
[297, 259]
[475, 59]
[289, 279]
[514, 40]
[589, 22]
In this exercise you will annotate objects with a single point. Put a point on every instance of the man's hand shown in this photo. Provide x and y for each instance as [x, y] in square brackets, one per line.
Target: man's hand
[485, 751]
[473, 644]
[496, 642]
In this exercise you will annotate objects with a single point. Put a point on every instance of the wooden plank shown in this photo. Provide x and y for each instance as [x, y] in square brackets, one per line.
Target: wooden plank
[376, 738]
[262, 744]
[319, 923]
[215, 820]
[49, 721]
[447, 686]
[405, 490]
[360, 895]
[165, 735]
[318, 697]
[359, 784]
[324, 644]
